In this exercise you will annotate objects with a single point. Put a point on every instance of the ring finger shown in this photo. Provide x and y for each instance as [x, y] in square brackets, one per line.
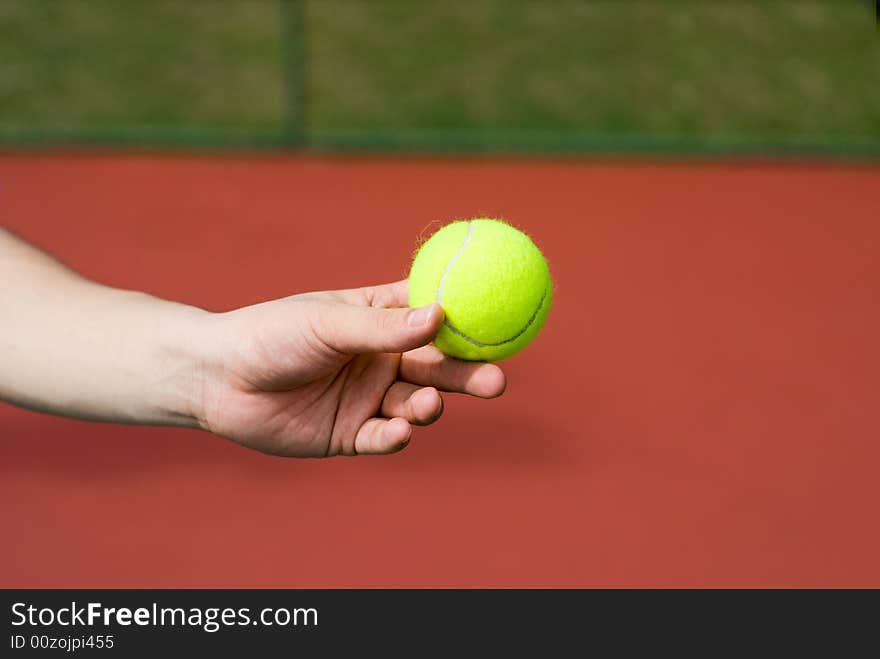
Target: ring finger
[418, 405]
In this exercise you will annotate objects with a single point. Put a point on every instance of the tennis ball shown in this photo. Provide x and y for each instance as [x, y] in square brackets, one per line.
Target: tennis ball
[492, 282]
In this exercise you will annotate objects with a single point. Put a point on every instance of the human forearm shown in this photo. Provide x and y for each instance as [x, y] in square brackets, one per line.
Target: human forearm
[73, 347]
[345, 372]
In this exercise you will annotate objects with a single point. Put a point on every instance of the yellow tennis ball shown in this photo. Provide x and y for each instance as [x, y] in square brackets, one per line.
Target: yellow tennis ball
[492, 282]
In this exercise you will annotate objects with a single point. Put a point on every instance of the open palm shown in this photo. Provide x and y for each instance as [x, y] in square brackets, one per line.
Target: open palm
[336, 372]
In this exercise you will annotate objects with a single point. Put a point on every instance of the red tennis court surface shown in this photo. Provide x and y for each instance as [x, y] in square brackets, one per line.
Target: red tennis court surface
[701, 408]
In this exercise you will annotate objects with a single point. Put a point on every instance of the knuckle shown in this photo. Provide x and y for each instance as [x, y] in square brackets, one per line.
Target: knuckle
[437, 367]
[388, 322]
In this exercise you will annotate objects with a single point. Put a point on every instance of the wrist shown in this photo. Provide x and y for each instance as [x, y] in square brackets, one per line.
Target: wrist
[183, 360]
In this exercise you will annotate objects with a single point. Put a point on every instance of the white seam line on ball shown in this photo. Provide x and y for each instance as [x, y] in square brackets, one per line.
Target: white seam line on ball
[452, 261]
[458, 332]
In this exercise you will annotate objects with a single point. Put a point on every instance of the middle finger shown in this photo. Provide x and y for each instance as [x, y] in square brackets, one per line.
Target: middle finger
[428, 367]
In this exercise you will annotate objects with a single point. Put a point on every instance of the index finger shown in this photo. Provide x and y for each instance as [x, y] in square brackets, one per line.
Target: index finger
[384, 296]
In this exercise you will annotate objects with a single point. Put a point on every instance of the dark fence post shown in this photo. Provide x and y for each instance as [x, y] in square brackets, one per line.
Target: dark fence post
[293, 65]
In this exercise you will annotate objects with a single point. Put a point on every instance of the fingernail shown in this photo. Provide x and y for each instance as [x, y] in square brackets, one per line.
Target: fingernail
[420, 316]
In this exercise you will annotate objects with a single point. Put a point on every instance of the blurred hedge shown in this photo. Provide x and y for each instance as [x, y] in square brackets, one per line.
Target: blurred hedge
[609, 75]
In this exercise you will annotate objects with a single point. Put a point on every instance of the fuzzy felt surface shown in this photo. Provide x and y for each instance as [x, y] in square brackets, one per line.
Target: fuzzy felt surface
[492, 282]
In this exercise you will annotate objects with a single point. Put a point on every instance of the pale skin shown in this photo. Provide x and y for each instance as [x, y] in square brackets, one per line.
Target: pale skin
[346, 372]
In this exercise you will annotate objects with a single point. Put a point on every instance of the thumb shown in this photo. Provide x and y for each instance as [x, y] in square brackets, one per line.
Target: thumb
[353, 329]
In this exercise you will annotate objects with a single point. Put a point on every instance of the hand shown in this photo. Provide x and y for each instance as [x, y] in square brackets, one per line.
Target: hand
[338, 372]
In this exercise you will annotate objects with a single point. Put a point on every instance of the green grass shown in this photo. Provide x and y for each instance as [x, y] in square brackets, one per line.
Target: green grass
[105, 65]
[698, 68]
[606, 75]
